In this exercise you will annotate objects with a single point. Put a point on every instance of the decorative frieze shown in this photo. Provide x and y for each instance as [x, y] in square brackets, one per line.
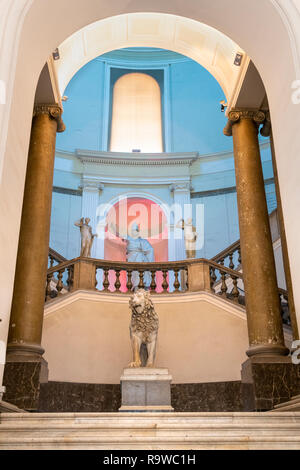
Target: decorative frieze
[142, 159]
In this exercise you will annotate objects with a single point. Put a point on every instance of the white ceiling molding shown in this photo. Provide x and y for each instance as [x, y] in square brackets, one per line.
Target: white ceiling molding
[204, 44]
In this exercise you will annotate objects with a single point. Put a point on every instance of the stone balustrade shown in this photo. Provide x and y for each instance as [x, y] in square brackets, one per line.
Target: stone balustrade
[174, 277]
[166, 277]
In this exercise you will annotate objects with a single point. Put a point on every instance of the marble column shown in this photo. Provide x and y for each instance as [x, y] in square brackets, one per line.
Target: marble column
[24, 352]
[260, 283]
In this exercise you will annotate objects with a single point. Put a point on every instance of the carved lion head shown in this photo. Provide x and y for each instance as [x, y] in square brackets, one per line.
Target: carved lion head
[141, 301]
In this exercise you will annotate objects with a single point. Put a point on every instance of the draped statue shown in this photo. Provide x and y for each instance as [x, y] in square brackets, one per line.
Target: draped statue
[138, 250]
[190, 237]
[87, 236]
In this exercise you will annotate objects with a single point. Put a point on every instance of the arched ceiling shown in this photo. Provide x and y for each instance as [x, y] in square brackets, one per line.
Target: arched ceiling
[204, 44]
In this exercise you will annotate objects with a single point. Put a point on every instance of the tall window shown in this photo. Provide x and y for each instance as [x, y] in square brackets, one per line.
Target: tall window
[136, 114]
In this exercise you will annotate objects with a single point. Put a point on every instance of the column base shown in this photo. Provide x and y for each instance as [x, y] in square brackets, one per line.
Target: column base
[268, 350]
[22, 379]
[268, 381]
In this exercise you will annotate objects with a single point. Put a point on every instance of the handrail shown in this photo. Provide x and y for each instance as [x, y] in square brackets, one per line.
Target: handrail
[55, 256]
[63, 265]
[224, 253]
[220, 267]
[123, 265]
[283, 292]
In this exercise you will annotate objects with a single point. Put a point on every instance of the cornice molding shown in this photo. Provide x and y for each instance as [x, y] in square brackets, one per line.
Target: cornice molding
[141, 57]
[225, 154]
[140, 159]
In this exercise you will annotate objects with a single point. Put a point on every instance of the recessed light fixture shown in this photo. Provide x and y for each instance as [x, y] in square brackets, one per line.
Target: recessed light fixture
[55, 54]
[238, 59]
[223, 105]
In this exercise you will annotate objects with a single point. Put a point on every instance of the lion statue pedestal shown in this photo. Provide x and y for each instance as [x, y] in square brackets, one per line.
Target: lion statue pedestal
[144, 387]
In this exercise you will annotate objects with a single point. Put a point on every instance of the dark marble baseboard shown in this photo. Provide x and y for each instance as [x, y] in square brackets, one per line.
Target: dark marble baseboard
[268, 382]
[22, 383]
[81, 397]
[211, 396]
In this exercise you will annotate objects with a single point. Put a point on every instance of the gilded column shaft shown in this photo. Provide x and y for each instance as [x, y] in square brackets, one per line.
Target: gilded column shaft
[284, 247]
[29, 288]
[259, 272]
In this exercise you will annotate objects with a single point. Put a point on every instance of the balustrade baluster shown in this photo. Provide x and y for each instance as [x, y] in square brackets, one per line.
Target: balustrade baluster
[239, 258]
[223, 285]
[176, 281]
[48, 287]
[129, 282]
[221, 261]
[117, 283]
[165, 284]
[213, 278]
[70, 278]
[105, 280]
[231, 263]
[141, 283]
[153, 281]
[51, 261]
[59, 285]
[235, 291]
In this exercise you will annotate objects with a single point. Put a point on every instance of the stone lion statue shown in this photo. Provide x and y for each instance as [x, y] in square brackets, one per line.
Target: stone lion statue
[143, 329]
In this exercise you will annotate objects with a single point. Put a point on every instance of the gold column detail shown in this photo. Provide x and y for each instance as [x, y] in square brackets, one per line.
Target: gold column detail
[284, 247]
[266, 131]
[259, 273]
[24, 340]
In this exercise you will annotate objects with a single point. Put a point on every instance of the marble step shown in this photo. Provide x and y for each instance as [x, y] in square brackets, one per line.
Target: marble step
[291, 405]
[152, 431]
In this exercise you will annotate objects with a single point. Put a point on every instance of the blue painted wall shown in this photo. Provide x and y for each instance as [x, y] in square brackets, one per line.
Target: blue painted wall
[194, 95]
[197, 122]
[83, 114]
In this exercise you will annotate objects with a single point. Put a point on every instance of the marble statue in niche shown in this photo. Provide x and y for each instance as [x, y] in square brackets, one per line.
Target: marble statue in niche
[190, 237]
[87, 236]
[143, 329]
[138, 250]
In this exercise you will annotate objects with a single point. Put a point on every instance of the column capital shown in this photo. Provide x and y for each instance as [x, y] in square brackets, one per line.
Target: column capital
[54, 111]
[265, 131]
[235, 115]
[89, 184]
[181, 187]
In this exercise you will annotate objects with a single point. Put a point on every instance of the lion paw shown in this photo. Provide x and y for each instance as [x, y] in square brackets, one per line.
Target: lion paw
[135, 364]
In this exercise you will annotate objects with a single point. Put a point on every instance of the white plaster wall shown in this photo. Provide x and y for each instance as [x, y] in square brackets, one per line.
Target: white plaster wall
[199, 340]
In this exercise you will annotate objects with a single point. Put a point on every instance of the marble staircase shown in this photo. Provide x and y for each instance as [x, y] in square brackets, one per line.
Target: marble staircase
[291, 405]
[150, 431]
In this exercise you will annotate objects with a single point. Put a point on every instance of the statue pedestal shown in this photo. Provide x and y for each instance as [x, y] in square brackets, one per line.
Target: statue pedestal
[146, 389]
